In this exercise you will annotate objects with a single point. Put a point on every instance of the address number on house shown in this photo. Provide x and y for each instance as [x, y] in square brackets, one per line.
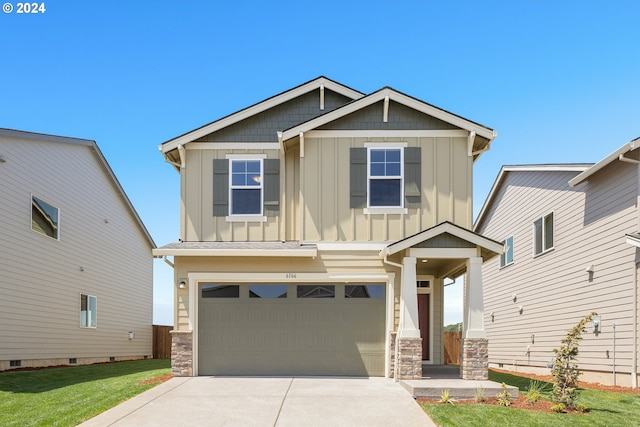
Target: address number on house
[290, 275]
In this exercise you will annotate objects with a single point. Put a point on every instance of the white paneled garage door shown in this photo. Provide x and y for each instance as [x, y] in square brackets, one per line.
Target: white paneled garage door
[291, 329]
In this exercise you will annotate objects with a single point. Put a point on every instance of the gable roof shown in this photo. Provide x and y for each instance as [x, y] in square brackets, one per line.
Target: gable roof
[448, 227]
[396, 96]
[102, 160]
[504, 170]
[259, 107]
[616, 155]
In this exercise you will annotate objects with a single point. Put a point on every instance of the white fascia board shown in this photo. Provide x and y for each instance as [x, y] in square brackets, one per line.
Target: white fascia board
[232, 146]
[440, 229]
[371, 133]
[258, 108]
[632, 240]
[299, 253]
[629, 146]
[394, 96]
[349, 246]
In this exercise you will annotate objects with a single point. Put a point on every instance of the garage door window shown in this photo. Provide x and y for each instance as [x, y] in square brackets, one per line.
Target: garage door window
[267, 291]
[316, 291]
[220, 291]
[364, 291]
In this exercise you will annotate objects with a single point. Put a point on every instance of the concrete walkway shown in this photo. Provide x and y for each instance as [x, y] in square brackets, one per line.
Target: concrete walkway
[260, 401]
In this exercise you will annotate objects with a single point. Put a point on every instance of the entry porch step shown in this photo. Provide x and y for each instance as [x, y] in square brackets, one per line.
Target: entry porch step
[458, 388]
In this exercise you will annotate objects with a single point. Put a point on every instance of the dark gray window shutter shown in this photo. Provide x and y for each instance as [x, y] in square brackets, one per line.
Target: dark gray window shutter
[220, 187]
[271, 187]
[412, 177]
[358, 178]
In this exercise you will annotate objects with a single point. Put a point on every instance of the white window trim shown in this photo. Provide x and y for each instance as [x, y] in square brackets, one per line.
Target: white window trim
[429, 290]
[89, 326]
[506, 264]
[553, 234]
[57, 238]
[245, 217]
[385, 209]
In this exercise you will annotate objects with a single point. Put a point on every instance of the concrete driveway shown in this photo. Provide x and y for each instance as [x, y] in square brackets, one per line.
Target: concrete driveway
[260, 401]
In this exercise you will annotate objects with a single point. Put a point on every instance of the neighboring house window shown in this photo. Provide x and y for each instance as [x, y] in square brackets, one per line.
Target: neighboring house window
[88, 311]
[385, 177]
[44, 218]
[246, 187]
[543, 234]
[507, 257]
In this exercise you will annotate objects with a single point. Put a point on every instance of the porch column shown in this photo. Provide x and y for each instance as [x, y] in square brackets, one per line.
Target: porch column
[475, 351]
[409, 357]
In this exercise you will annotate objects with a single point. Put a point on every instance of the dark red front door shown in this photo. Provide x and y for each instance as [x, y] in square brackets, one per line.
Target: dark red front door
[423, 320]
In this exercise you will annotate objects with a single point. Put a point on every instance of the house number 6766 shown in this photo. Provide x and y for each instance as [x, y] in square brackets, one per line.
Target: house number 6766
[290, 275]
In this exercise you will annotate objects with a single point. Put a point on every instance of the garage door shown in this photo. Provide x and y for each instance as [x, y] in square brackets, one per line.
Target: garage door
[291, 329]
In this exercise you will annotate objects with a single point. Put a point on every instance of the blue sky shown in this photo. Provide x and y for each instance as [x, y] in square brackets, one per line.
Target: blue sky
[558, 80]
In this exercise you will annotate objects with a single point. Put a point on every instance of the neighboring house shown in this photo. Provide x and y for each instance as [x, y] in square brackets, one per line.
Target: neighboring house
[571, 248]
[317, 224]
[76, 273]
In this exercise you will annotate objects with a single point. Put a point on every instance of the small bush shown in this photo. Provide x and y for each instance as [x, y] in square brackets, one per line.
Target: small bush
[558, 408]
[479, 394]
[535, 390]
[581, 407]
[504, 397]
[445, 397]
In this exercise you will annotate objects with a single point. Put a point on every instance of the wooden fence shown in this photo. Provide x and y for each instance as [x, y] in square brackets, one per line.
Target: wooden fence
[162, 342]
[452, 347]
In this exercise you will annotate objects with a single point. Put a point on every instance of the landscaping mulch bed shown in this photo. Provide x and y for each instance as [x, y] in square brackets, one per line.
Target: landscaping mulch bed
[519, 403]
[157, 380]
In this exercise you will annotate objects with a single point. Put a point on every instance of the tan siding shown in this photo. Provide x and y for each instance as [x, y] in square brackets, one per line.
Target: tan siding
[554, 289]
[41, 278]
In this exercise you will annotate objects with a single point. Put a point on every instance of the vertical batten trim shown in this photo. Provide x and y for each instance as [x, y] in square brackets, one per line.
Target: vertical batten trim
[470, 140]
[336, 211]
[321, 97]
[385, 114]
[301, 144]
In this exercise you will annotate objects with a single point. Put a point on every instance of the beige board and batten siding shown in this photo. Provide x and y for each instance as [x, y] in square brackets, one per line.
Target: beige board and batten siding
[197, 198]
[327, 216]
[41, 278]
[554, 290]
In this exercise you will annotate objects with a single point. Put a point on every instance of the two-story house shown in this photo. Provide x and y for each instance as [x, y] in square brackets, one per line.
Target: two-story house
[317, 229]
[571, 248]
[76, 277]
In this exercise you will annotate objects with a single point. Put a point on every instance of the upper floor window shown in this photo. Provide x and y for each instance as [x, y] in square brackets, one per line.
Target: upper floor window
[44, 218]
[385, 177]
[507, 256]
[246, 187]
[543, 234]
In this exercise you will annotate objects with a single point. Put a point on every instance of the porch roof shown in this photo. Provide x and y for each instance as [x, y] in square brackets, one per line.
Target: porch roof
[270, 249]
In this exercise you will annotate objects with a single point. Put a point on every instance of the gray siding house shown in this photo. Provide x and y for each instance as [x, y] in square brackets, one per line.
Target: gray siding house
[571, 247]
[76, 273]
[317, 229]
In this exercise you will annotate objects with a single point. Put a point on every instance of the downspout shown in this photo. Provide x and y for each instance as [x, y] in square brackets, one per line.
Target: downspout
[396, 346]
[169, 263]
[634, 356]
[622, 158]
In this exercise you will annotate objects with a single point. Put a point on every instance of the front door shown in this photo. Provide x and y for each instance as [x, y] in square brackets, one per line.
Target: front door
[423, 320]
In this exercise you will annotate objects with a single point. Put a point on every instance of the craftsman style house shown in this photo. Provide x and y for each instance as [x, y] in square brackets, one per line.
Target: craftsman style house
[317, 229]
[571, 248]
[76, 278]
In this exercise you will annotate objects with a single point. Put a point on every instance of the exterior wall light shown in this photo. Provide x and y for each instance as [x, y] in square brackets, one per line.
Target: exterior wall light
[182, 284]
[132, 335]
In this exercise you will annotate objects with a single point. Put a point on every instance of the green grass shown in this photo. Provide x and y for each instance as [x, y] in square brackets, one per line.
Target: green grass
[70, 395]
[605, 409]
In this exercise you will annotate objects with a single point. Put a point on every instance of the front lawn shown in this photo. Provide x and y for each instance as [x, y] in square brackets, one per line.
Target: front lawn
[70, 395]
[605, 409]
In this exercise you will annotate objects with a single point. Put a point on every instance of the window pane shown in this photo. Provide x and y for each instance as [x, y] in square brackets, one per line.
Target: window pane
[377, 156]
[238, 166]
[246, 202]
[92, 312]
[364, 291]
[253, 166]
[267, 291]
[253, 179]
[393, 155]
[509, 251]
[220, 291]
[548, 231]
[44, 218]
[393, 169]
[316, 291]
[377, 169]
[83, 311]
[238, 179]
[538, 236]
[384, 192]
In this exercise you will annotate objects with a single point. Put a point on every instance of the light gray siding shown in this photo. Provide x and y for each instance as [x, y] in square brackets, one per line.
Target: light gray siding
[554, 289]
[101, 251]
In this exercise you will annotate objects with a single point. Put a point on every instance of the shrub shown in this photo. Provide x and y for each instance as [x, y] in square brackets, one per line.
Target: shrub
[565, 370]
[581, 407]
[445, 398]
[479, 394]
[535, 390]
[558, 408]
[504, 397]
